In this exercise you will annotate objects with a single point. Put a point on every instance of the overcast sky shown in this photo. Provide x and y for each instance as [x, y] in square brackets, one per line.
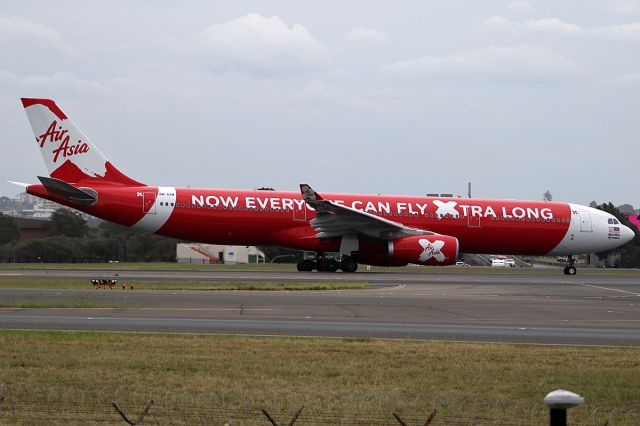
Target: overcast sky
[409, 97]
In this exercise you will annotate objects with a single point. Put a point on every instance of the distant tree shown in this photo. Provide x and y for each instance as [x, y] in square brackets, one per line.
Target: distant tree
[630, 252]
[283, 254]
[30, 251]
[148, 247]
[593, 204]
[50, 249]
[9, 230]
[547, 196]
[68, 223]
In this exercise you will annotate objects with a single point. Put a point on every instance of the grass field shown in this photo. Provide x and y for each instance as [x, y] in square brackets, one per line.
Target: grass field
[85, 283]
[284, 267]
[344, 378]
[58, 302]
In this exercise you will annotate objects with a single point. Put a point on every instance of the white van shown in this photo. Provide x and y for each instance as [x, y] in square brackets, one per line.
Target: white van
[498, 263]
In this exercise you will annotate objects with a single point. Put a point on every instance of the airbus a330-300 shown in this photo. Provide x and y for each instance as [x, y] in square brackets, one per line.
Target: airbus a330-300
[386, 230]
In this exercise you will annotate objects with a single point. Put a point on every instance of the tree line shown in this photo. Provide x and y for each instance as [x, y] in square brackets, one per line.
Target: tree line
[630, 252]
[71, 239]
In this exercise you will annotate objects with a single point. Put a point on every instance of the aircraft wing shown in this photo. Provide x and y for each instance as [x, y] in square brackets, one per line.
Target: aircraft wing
[335, 220]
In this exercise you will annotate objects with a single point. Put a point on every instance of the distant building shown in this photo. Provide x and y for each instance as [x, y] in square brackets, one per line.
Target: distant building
[43, 209]
[33, 228]
[212, 254]
[27, 206]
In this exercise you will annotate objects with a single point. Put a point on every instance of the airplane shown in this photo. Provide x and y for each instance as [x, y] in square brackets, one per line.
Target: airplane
[382, 230]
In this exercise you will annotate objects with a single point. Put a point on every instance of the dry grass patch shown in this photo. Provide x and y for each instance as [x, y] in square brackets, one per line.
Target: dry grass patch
[85, 283]
[346, 375]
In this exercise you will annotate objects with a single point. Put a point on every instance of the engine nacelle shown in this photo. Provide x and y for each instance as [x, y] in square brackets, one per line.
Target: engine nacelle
[437, 250]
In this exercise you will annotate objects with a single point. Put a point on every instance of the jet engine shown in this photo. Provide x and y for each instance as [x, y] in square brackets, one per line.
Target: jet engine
[437, 250]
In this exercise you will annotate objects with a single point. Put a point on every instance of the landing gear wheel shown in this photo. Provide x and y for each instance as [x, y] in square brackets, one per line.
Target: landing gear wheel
[348, 265]
[332, 265]
[305, 265]
[327, 265]
[570, 270]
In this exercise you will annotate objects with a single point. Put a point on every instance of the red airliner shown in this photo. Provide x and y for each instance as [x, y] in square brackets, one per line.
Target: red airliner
[386, 230]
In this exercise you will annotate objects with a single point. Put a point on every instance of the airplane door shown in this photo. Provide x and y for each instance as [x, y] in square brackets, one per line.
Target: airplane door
[299, 213]
[585, 221]
[473, 221]
[149, 202]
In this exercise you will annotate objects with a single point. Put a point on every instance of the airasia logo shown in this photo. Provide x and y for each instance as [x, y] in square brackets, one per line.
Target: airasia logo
[56, 134]
[431, 250]
[446, 208]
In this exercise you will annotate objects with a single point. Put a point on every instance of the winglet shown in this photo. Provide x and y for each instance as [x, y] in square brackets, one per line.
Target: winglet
[308, 194]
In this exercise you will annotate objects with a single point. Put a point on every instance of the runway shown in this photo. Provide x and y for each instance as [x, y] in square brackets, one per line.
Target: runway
[519, 307]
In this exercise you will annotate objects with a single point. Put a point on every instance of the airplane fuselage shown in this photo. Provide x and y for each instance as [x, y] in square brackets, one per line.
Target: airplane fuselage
[373, 229]
[243, 217]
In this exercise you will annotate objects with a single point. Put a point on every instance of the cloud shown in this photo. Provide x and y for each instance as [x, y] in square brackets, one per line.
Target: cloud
[554, 27]
[372, 100]
[44, 86]
[366, 35]
[551, 26]
[256, 43]
[623, 7]
[18, 32]
[520, 7]
[519, 62]
[629, 79]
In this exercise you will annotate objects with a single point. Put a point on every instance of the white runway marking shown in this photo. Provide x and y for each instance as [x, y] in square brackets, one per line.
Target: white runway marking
[608, 288]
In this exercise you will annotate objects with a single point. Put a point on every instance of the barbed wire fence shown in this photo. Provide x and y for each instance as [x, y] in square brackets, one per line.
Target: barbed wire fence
[71, 405]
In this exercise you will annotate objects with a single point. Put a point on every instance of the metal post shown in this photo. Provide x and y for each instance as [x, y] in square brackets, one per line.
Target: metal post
[559, 401]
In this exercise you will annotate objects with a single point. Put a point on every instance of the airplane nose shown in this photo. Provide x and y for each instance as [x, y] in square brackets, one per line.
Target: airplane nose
[627, 234]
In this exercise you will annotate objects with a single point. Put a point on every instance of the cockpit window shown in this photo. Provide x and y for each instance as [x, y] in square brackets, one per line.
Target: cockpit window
[615, 222]
[610, 221]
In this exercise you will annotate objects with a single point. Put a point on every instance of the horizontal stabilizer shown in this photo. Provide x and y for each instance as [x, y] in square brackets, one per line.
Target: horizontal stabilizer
[71, 193]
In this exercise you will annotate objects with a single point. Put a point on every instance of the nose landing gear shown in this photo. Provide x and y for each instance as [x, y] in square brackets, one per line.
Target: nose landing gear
[570, 269]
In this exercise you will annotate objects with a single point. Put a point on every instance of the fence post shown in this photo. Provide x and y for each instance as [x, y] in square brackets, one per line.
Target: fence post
[293, 419]
[426, 423]
[140, 416]
[559, 401]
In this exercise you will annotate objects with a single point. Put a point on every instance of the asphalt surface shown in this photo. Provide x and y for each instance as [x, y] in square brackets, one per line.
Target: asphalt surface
[591, 310]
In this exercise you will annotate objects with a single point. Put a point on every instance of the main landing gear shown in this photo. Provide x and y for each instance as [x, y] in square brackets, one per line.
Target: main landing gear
[570, 269]
[321, 263]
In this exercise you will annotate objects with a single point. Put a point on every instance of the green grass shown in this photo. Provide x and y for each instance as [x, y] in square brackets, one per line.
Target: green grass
[85, 283]
[352, 377]
[154, 266]
[54, 303]
[284, 267]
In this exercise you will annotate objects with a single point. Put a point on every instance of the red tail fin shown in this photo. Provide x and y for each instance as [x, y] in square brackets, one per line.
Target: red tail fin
[68, 153]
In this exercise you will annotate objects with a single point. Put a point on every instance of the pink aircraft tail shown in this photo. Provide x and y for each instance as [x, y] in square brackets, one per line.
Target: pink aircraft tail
[68, 153]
